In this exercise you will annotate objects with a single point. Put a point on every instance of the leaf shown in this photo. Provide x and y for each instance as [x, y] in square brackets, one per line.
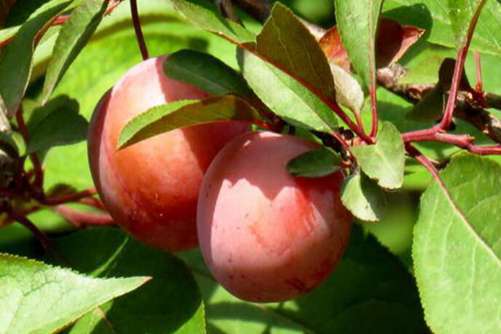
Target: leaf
[385, 160]
[74, 34]
[357, 22]
[169, 303]
[363, 197]
[208, 18]
[206, 72]
[392, 42]
[16, 57]
[462, 13]
[457, 248]
[38, 298]
[182, 114]
[55, 124]
[368, 283]
[434, 15]
[286, 41]
[286, 96]
[317, 163]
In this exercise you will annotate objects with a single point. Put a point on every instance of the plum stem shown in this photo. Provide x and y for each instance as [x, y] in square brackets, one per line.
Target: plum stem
[138, 30]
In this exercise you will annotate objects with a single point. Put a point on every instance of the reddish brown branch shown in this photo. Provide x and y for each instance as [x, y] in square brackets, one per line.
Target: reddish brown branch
[37, 165]
[463, 141]
[39, 235]
[458, 71]
[67, 198]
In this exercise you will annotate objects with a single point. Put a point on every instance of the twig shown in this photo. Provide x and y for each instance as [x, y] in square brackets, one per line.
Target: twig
[39, 235]
[37, 165]
[73, 197]
[137, 29]
[478, 71]
[458, 71]
[463, 141]
[425, 161]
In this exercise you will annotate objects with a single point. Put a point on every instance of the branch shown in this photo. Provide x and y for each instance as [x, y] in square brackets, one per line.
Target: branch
[469, 106]
[458, 71]
[37, 165]
[39, 235]
[73, 197]
[463, 141]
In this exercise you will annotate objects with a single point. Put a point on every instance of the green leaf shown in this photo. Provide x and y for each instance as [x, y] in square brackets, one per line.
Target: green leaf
[287, 42]
[457, 248]
[434, 16]
[206, 72]
[73, 36]
[363, 197]
[38, 298]
[286, 96]
[55, 124]
[16, 57]
[317, 163]
[182, 114]
[357, 22]
[385, 160]
[368, 283]
[461, 13]
[208, 18]
[169, 303]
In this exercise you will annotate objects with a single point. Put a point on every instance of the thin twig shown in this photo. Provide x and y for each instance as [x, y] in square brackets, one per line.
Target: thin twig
[68, 198]
[37, 165]
[463, 141]
[39, 235]
[458, 72]
[478, 71]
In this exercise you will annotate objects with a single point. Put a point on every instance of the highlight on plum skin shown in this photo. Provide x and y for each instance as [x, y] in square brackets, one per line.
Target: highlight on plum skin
[151, 188]
[265, 235]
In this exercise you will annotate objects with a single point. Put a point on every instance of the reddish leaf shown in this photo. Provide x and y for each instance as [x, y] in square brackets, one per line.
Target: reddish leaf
[393, 41]
[334, 50]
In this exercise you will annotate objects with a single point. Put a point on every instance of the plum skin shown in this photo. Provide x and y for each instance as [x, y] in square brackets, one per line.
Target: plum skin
[265, 235]
[151, 188]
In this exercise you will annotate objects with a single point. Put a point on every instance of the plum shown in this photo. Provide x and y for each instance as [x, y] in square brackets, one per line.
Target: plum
[265, 235]
[151, 188]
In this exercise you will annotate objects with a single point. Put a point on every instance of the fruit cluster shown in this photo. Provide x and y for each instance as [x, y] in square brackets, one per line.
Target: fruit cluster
[264, 234]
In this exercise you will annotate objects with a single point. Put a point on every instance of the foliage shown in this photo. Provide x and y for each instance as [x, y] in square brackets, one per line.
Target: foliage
[384, 92]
